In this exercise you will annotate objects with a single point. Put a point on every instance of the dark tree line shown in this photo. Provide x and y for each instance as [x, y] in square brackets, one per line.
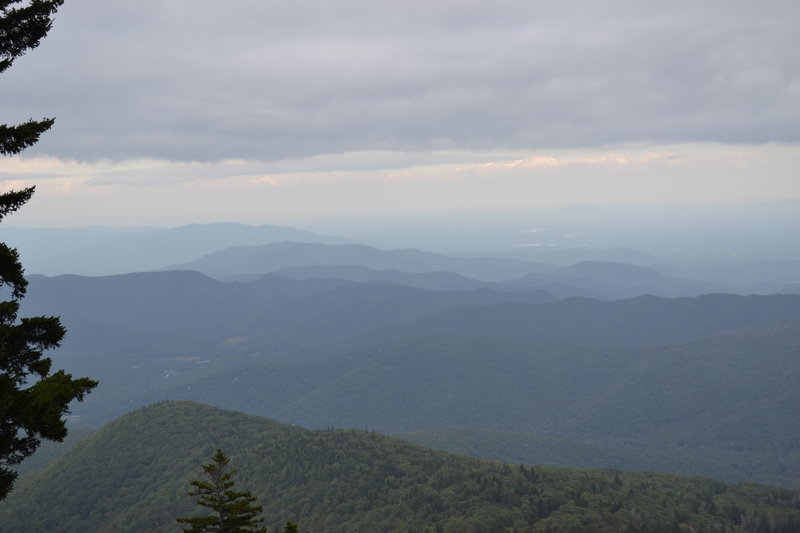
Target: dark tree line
[33, 398]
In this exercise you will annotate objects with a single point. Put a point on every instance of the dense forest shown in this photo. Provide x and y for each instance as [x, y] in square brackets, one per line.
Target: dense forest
[695, 385]
[133, 475]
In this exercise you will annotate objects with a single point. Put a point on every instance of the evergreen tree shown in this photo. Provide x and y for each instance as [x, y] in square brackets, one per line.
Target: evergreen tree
[21, 29]
[234, 511]
[32, 400]
[290, 527]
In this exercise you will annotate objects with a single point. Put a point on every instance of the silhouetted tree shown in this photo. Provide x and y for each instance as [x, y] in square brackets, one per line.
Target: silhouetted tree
[32, 400]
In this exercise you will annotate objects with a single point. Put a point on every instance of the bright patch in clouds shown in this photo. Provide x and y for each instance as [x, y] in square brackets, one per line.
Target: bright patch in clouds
[373, 183]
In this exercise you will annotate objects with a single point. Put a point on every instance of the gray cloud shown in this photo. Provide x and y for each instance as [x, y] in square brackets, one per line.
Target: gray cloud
[188, 80]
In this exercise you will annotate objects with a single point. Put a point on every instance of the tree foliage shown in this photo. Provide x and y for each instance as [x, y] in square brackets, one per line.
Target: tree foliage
[131, 476]
[32, 400]
[21, 29]
[234, 511]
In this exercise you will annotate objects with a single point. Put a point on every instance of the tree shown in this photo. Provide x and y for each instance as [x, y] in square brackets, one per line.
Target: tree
[234, 511]
[21, 29]
[32, 400]
[290, 527]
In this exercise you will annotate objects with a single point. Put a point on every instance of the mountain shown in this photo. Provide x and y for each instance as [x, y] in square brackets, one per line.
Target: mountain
[761, 277]
[708, 375]
[147, 333]
[241, 260]
[616, 281]
[184, 311]
[364, 264]
[158, 310]
[641, 320]
[725, 389]
[565, 256]
[726, 404]
[430, 281]
[138, 333]
[105, 251]
[515, 447]
[133, 475]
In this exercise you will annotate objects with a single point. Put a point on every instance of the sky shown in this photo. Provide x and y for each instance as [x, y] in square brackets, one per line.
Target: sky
[257, 111]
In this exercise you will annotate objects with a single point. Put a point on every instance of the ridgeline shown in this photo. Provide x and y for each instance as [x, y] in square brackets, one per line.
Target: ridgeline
[133, 475]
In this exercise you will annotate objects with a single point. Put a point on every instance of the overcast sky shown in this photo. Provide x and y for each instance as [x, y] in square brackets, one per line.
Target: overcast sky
[259, 111]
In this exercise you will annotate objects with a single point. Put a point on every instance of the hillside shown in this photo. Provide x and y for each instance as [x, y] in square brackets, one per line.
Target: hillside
[185, 312]
[723, 405]
[707, 381]
[431, 281]
[710, 379]
[730, 390]
[141, 332]
[515, 447]
[617, 280]
[642, 320]
[133, 476]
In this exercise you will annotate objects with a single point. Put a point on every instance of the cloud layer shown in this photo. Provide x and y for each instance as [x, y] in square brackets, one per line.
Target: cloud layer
[265, 80]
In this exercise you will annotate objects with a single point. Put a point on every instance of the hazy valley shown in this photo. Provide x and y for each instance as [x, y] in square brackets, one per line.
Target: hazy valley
[599, 364]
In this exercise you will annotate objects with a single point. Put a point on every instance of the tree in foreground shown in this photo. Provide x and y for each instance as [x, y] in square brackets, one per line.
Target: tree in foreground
[233, 511]
[33, 401]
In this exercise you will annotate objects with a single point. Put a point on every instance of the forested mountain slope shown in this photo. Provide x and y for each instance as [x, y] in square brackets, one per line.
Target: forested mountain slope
[726, 403]
[431, 281]
[133, 476]
[707, 377]
[180, 311]
[618, 280]
[641, 320]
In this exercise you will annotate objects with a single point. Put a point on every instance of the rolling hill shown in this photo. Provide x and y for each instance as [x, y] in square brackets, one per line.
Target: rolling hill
[430, 281]
[133, 476]
[725, 404]
[640, 320]
[613, 281]
[711, 376]
[138, 333]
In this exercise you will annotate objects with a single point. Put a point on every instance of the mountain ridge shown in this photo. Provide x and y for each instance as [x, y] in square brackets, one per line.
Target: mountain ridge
[243, 260]
[107, 251]
[133, 475]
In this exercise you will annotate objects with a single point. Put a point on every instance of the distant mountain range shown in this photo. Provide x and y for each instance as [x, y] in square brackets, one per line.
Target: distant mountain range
[242, 260]
[572, 255]
[645, 320]
[614, 281]
[713, 374]
[709, 393]
[105, 251]
[362, 263]
[626, 365]
[762, 277]
[431, 281]
[589, 278]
